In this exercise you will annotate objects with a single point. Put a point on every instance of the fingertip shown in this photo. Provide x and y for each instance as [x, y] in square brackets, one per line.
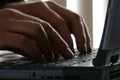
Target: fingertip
[69, 54]
[89, 47]
[82, 49]
[89, 50]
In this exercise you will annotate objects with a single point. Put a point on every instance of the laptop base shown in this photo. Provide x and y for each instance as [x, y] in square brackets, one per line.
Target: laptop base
[61, 73]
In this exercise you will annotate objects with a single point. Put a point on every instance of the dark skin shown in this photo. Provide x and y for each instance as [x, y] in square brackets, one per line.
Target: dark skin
[43, 28]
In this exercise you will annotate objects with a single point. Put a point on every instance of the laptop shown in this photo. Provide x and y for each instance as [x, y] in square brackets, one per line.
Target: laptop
[101, 64]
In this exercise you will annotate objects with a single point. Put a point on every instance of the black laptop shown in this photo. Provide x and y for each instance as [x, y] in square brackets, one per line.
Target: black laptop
[101, 64]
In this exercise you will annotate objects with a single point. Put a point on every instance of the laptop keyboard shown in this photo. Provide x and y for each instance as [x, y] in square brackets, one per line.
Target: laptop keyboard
[26, 61]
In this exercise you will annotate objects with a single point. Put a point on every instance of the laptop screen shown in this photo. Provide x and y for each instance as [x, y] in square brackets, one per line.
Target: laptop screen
[111, 34]
[115, 28]
[109, 50]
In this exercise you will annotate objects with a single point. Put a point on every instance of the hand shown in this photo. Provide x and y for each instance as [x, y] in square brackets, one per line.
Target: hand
[30, 36]
[76, 25]
[63, 20]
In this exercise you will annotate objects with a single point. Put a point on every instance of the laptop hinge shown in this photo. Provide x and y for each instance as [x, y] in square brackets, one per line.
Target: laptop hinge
[114, 59]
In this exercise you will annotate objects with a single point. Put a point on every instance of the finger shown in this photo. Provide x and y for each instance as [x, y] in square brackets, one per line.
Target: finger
[20, 43]
[58, 43]
[80, 36]
[75, 25]
[34, 31]
[89, 45]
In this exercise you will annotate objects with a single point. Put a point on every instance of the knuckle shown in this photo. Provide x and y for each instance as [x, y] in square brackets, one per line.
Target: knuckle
[37, 28]
[47, 25]
[76, 17]
[49, 29]
[8, 11]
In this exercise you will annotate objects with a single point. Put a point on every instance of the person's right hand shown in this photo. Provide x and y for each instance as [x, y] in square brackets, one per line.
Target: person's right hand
[30, 36]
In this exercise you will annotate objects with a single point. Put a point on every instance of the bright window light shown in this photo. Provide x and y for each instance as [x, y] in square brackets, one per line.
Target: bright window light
[99, 13]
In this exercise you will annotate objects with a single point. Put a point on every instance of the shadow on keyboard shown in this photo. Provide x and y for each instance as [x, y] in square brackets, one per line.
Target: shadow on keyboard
[15, 60]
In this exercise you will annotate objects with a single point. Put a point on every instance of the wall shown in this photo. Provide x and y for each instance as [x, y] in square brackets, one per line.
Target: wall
[99, 12]
[61, 2]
